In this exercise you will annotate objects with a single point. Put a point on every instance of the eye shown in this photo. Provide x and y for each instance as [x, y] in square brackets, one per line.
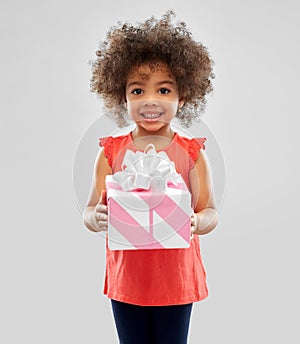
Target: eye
[164, 90]
[137, 91]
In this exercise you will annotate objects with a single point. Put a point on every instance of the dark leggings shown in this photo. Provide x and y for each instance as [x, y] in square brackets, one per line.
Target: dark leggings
[151, 324]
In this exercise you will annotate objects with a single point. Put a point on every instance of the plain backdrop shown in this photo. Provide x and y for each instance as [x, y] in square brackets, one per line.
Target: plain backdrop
[52, 268]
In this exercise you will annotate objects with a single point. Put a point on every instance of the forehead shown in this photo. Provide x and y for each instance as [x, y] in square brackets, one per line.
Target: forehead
[146, 71]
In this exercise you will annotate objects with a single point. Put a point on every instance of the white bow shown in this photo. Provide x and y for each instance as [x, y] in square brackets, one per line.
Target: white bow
[146, 170]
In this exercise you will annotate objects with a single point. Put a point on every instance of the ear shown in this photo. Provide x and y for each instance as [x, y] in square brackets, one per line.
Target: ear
[181, 102]
[124, 100]
[125, 104]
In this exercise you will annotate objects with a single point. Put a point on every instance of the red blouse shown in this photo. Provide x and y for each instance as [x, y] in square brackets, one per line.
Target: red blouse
[156, 277]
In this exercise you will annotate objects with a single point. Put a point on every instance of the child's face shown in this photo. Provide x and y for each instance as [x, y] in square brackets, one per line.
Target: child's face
[152, 97]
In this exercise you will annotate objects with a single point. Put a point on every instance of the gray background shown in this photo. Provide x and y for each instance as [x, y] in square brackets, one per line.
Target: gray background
[52, 268]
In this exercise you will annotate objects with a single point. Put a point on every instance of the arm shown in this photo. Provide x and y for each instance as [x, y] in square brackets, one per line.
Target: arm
[205, 216]
[95, 213]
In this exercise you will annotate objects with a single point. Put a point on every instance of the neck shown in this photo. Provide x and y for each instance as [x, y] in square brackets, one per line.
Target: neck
[160, 138]
[165, 131]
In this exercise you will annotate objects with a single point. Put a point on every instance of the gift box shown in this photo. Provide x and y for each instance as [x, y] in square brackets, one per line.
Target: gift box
[149, 205]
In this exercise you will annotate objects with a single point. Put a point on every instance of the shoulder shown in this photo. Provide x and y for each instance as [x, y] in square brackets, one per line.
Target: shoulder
[112, 140]
[112, 144]
[192, 145]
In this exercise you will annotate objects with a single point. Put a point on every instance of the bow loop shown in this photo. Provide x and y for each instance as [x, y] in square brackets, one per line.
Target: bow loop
[146, 170]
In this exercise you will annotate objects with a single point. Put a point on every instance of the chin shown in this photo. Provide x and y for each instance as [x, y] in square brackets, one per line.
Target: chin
[153, 127]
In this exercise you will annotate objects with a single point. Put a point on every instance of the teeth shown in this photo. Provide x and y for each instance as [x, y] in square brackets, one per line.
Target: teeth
[151, 115]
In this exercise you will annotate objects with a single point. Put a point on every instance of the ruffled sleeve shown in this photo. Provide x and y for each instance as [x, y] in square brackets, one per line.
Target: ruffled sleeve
[196, 144]
[107, 144]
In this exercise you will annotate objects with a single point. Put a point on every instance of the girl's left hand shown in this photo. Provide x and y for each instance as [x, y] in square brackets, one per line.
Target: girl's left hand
[194, 224]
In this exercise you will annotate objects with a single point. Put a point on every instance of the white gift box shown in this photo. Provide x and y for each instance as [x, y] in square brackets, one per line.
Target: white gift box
[149, 205]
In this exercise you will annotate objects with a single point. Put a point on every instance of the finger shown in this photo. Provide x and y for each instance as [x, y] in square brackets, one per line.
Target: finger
[193, 220]
[102, 217]
[101, 208]
[102, 225]
[102, 229]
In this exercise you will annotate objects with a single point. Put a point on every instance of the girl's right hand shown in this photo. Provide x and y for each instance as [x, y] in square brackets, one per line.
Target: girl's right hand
[100, 216]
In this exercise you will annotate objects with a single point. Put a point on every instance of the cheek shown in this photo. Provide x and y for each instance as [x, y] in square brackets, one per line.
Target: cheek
[132, 108]
[170, 107]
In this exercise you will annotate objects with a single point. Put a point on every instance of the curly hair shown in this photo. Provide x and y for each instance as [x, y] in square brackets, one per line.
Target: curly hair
[152, 41]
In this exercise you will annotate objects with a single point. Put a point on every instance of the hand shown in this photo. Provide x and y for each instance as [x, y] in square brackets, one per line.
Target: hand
[204, 221]
[100, 214]
[194, 224]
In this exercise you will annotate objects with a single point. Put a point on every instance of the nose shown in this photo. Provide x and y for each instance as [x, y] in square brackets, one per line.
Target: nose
[150, 102]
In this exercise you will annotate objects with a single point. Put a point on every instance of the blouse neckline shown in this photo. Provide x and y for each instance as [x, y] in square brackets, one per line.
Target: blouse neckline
[158, 150]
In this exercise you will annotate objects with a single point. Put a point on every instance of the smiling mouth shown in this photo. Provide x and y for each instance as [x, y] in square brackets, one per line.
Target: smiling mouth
[151, 115]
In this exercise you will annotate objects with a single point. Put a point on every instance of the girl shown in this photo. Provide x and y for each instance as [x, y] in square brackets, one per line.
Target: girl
[153, 72]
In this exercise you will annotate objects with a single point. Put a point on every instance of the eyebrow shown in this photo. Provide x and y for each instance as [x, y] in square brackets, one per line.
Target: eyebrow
[141, 83]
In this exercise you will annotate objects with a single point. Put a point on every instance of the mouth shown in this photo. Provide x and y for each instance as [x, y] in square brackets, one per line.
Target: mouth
[151, 116]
